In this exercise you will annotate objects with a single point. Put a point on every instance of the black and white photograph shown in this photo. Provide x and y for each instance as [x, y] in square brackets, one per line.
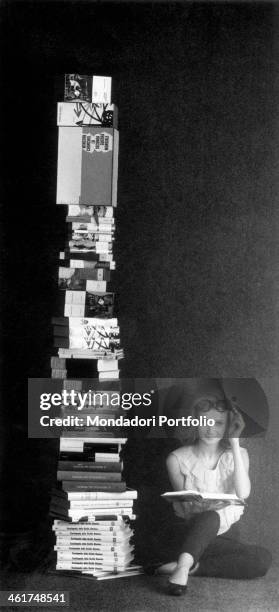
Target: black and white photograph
[140, 305]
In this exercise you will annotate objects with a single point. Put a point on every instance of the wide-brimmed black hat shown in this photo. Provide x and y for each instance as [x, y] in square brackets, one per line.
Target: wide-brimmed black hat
[245, 394]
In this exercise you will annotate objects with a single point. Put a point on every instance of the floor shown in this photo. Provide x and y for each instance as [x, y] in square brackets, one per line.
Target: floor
[142, 593]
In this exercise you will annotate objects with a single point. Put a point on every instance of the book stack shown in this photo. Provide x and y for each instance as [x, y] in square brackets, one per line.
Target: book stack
[86, 328]
[91, 506]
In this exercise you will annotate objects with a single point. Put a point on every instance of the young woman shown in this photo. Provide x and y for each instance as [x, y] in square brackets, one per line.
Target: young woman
[202, 531]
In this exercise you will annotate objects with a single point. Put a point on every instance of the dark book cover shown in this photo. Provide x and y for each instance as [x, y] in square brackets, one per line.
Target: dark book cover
[88, 476]
[78, 87]
[89, 466]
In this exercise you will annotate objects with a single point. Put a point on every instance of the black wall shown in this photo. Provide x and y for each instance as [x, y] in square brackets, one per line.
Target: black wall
[197, 220]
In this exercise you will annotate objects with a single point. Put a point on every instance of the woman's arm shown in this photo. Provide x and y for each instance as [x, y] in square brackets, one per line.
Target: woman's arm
[175, 476]
[240, 456]
[241, 470]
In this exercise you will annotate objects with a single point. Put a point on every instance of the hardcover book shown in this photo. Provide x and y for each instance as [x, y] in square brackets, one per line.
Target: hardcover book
[87, 166]
[81, 113]
[190, 495]
[87, 212]
[95, 89]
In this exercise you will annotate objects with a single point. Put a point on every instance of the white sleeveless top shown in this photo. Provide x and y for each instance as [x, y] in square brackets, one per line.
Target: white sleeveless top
[199, 478]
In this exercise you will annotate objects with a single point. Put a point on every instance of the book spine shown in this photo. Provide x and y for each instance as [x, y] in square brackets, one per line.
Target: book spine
[99, 529]
[89, 466]
[95, 515]
[109, 375]
[85, 456]
[130, 495]
[68, 485]
[59, 374]
[100, 548]
[87, 558]
[99, 542]
[92, 476]
[56, 363]
[90, 505]
[115, 168]
[60, 332]
[81, 264]
[122, 547]
[101, 446]
[107, 365]
[60, 342]
[106, 457]
[65, 565]
[117, 527]
[106, 540]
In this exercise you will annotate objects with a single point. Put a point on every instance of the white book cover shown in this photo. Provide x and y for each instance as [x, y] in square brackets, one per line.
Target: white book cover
[94, 322]
[101, 503]
[70, 114]
[96, 286]
[104, 529]
[111, 567]
[129, 495]
[113, 375]
[75, 297]
[99, 540]
[92, 226]
[107, 365]
[80, 263]
[101, 212]
[81, 354]
[89, 238]
[101, 90]
[106, 457]
[75, 310]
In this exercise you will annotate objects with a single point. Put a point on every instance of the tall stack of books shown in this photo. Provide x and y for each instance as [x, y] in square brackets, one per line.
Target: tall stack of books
[93, 509]
[91, 505]
[87, 175]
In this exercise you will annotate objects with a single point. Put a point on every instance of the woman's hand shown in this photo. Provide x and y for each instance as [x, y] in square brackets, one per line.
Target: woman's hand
[208, 504]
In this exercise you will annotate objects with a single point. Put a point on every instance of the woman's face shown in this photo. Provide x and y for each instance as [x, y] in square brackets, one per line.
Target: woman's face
[210, 434]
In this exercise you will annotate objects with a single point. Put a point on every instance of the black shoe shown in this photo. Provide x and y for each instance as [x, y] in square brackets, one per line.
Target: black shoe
[176, 589]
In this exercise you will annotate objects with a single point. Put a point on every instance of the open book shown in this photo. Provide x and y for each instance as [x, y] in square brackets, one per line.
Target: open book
[190, 495]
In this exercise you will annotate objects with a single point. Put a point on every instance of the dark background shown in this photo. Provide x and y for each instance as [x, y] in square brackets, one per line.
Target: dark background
[197, 220]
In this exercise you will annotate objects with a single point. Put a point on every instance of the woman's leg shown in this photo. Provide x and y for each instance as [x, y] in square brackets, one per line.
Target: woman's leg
[196, 536]
[227, 558]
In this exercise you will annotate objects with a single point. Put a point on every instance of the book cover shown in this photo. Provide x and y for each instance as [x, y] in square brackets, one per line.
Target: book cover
[87, 166]
[87, 88]
[188, 496]
[79, 113]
